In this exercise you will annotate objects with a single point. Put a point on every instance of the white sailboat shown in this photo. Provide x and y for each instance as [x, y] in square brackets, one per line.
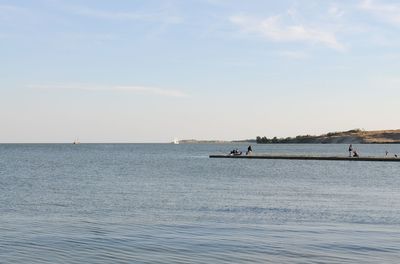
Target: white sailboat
[176, 141]
[76, 141]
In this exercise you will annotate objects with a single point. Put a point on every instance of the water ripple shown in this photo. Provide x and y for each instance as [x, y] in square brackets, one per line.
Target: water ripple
[155, 203]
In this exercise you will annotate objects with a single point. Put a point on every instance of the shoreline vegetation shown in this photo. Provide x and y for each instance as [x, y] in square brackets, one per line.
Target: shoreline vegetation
[354, 136]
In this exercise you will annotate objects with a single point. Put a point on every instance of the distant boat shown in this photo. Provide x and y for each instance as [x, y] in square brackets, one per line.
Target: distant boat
[76, 141]
[176, 141]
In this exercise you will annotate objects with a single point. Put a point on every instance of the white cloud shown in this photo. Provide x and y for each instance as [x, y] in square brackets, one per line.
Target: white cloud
[117, 88]
[386, 12]
[274, 29]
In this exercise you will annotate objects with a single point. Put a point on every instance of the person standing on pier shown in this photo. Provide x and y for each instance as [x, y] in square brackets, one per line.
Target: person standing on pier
[350, 149]
[249, 150]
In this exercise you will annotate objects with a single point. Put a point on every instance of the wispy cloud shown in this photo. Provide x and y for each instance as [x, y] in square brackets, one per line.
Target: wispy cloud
[385, 83]
[8, 8]
[335, 12]
[274, 28]
[391, 81]
[385, 11]
[117, 88]
[294, 55]
[125, 15]
[9, 12]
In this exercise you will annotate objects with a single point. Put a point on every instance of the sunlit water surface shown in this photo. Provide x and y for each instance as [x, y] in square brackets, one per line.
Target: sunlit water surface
[165, 203]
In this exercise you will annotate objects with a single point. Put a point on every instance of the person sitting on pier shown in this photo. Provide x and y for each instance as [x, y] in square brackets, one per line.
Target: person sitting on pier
[236, 152]
[355, 154]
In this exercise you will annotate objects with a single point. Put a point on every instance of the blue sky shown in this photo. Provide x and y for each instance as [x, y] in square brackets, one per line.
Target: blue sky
[150, 71]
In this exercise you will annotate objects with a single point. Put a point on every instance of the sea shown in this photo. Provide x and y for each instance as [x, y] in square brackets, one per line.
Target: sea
[166, 203]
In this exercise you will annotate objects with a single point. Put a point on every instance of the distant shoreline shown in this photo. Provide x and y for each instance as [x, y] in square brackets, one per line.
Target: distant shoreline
[354, 136]
[194, 141]
[200, 142]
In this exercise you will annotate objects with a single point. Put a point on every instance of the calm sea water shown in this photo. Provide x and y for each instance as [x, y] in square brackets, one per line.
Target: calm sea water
[164, 203]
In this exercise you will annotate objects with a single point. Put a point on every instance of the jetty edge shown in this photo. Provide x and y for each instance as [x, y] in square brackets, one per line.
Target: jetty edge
[304, 157]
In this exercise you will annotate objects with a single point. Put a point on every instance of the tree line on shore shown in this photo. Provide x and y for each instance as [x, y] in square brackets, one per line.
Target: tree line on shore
[275, 140]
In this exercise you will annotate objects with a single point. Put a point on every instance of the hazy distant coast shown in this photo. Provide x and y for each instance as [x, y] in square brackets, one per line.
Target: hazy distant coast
[195, 141]
[354, 136]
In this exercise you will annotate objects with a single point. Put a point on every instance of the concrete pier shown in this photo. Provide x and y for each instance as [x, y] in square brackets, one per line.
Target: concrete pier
[304, 157]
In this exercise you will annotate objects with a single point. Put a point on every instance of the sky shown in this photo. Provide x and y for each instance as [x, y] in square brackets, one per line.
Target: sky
[152, 71]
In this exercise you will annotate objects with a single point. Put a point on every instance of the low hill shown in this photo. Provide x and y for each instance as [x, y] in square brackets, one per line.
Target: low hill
[346, 137]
